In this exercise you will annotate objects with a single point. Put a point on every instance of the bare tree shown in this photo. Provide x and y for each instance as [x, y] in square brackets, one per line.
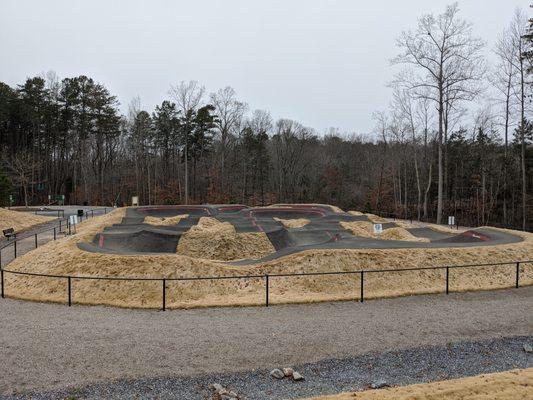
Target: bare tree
[504, 79]
[23, 166]
[449, 65]
[230, 113]
[188, 97]
[518, 30]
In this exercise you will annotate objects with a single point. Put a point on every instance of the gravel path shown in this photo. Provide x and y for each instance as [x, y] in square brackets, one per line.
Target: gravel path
[404, 367]
[47, 346]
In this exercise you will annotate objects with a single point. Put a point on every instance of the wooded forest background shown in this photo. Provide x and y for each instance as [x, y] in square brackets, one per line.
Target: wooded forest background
[455, 140]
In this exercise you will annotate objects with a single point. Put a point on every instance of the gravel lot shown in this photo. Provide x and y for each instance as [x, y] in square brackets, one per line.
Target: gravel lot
[424, 364]
[48, 347]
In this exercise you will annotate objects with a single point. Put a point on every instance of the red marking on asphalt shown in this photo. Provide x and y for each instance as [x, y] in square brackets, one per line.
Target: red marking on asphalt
[101, 241]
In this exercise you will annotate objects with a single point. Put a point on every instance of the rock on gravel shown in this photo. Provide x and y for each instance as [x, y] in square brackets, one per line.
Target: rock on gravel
[528, 348]
[297, 376]
[288, 372]
[378, 384]
[277, 373]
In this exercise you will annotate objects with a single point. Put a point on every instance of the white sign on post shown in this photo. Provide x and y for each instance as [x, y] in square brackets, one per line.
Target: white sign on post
[378, 229]
[73, 219]
[451, 221]
[135, 201]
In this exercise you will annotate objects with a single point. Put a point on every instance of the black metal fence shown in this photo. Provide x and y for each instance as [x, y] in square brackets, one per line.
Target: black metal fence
[358, 291]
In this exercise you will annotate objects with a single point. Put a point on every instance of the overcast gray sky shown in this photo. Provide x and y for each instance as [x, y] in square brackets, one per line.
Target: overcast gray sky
[324, 63]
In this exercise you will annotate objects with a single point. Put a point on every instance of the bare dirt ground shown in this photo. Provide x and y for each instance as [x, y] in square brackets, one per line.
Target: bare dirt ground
[511, 385]
[46, 346]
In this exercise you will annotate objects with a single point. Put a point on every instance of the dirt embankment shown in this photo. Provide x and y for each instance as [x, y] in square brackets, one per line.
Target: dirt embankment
[511, 385]
[63, 257]
[366, 229]
[214, 240]
[20, 221]
[165, 221]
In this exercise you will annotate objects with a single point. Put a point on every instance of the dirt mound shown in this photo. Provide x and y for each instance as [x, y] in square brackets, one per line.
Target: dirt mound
[19, 220]
[333, 208]
[366, 229]
[509, 385]
[401, 234]
[165, 221]
[357, 213]
[376, 219]
[214, 240]
[293, 223]
[439, 228]
[359, 228]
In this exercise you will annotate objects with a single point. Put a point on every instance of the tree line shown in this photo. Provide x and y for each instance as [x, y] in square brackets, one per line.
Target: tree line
[454, 140]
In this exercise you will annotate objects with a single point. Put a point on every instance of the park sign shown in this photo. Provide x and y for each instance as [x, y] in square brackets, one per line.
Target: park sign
[73, 220]
[451, 221]
[378, 229]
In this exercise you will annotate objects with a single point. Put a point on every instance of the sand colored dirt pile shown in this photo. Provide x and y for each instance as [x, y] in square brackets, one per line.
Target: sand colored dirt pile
[19, 220]
[165, 221]
[366, 229]
[376, 219]
[439, 228]
[63, 257]
[293, 223]
[511, 385]
[214, 240]
[333, 208]
[357, 213]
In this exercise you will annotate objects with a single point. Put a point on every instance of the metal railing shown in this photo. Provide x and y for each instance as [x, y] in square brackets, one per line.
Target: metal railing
[267, 277]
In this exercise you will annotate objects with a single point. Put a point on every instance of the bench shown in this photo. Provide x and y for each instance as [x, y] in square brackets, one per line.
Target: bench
[9, 233]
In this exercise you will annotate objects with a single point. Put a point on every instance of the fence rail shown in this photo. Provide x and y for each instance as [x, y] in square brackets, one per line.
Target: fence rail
[266, 277]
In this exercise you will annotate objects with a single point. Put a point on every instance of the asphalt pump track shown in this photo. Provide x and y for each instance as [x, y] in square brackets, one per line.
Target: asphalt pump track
[324, 231]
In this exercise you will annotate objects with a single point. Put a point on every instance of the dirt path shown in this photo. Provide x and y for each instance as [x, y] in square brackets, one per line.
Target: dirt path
[47, 346]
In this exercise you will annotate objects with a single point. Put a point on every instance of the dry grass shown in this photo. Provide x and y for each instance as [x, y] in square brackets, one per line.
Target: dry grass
[376, 219]
[511, 385]
[63, 257]
[293, 223]
[19, 220]
[366, 229]
[333, 208]
[439, 228]
[357, 213]
[165, 221]
[214, 240]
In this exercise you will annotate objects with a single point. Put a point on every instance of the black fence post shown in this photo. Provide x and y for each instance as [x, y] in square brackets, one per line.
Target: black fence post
[267, 285]
[35, 240]
[69, 230]
[447, 280]
[69, 292]
[59, 225]
[54, 233]
[15, 247]
[361, 295]
[517, 274]
[164, 294]
[2, 279]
